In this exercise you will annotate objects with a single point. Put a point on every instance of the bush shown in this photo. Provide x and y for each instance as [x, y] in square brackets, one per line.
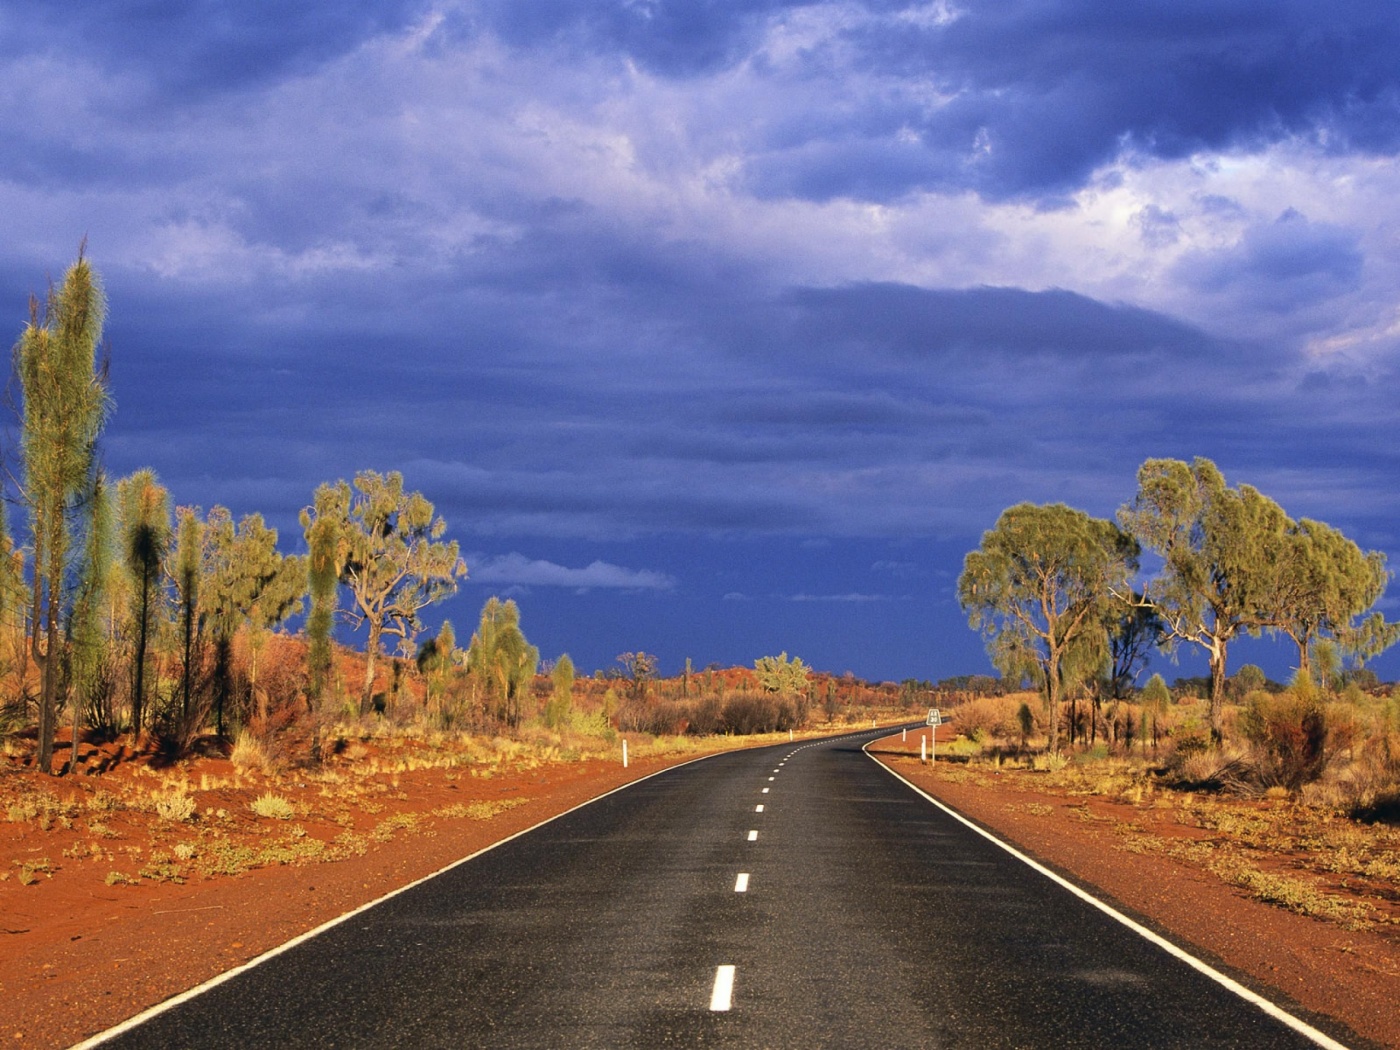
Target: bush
[274, 806]
[990, 716]
[176, 806]
[1290, 732]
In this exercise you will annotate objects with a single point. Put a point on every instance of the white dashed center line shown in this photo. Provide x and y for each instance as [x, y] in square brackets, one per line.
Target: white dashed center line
[758, 808]
[753, 836]
[771, 779]
[741, 884]
[765, 791]
[723, 995]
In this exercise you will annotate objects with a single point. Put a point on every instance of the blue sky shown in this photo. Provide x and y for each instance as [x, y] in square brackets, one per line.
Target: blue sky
[718, 329]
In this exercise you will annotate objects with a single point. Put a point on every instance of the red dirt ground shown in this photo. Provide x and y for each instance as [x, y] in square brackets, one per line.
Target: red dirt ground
[1351, 976]
[78, 955]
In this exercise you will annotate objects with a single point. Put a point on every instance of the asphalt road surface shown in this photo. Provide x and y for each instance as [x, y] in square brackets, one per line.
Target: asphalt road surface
[803, 887]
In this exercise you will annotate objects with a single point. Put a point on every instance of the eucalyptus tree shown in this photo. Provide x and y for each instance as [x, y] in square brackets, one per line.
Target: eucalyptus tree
[390, 555]
[1326, 584]
[1133, 633]
[143, 508]
[1040, 588]
[1224, 550]
[64, 405]
[501, 659]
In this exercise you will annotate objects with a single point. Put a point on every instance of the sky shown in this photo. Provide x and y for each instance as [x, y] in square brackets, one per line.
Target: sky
[720, 329]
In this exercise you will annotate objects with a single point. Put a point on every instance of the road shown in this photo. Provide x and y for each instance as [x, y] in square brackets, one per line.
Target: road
[803, 887]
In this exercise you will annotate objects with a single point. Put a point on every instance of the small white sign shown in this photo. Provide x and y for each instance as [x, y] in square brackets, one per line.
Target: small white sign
[934, 718]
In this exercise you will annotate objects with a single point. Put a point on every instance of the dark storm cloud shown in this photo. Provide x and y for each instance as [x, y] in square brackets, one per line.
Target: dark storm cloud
[1036, 95]
[670, 37]
[200, 48]
[915, 322]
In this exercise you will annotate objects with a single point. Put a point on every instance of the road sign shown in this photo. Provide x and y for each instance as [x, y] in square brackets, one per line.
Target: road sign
[934, 718]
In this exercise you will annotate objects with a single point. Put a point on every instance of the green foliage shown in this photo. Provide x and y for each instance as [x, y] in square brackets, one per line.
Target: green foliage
[1248, 679]
[64, 406]
[1326, 584]
[1025, 721]
[1224, 552]
[390, 555]
[144, 514]
[1155, 694]
[323, 573]
[502, 660]
[246, 582]
[778, 674]
[92, 667]
[189, 549]
[1041, 588]
[558, 710]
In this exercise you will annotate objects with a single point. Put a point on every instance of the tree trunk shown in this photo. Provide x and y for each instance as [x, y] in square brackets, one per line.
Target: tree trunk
[371, 651]
[1217, 689]
[138, 693]
[1052, 692]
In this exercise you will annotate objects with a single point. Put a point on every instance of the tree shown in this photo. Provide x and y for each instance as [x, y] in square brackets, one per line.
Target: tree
[436, 658]
[1132, 635]
[778, 674]
[92, 680]
[1326, 583]
[189, 544]
[1041, 584]
[144, 511]
[561, 702]
[323, 576]
[391, 557]
[246, 581]
[65, 403]
[640, 668]
[1223, 550]
[501, 659]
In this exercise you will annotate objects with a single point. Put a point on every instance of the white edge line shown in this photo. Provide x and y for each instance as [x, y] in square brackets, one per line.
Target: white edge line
[228, 975]
[1276, 1012]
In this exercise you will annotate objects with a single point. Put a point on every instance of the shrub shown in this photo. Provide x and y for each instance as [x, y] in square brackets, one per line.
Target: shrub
[991, 715]
[176, 806]
[1290, 731]
[273, 806]
[249, 753]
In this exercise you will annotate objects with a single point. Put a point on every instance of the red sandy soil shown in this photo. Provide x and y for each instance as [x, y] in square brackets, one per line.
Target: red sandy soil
[1353, 976]
[78, 955]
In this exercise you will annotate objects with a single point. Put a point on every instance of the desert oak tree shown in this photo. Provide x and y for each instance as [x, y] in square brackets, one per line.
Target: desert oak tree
[65, 403]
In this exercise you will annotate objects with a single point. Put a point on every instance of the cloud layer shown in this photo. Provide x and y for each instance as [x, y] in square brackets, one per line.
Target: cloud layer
[626, 273]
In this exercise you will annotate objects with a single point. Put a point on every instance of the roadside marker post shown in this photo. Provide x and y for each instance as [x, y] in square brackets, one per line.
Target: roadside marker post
[923, 749]
[933, 721]
[904, 733]
[624, 754]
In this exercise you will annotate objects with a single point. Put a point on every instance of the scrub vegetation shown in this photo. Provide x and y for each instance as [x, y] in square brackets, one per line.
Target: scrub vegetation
[1292, 790]
[132, 626]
